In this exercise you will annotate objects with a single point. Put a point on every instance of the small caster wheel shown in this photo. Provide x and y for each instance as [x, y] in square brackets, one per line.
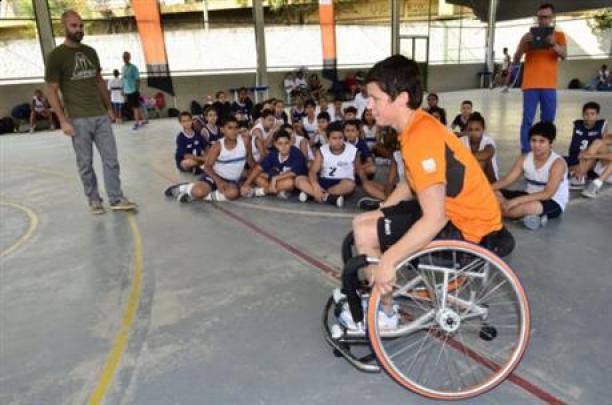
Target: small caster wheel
[488, 332]
[337, 353]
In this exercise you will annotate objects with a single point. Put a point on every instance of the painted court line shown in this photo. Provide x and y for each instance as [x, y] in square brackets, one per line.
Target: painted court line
[129, 313]
[32, 225]
[513, 378]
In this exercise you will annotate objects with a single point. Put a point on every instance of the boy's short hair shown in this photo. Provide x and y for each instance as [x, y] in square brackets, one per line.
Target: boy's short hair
[434, 95]
[591, 105]
[229, 119]
[281, 133]
[547, 5]
[184, 114]
[354, 123]
[545, 129]
[116, 73]
[310, 103]
[208, 109]
[476, 117]
[217, 94]
[243, 124]
[335, 126]
[323, 116]
[350, 109]
[468, 102]
[398, 74]
[266, 113]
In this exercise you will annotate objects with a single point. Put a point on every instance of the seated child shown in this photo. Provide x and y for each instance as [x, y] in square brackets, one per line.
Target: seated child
[190, 147]
[585, 132]
[339, 115]
[377, 192]
[545, 171]
[601, 152]
[350, 113]
[279, 113]
[210, 131]
[326, 107]
[366, 167]
[277, 172]
[332, 174]
[460, 121]
[224, 165]
[369, 129]
[299, 140]
[261, 135]
[320, 137]
[481, 145]
[310, 120]
[298, 111]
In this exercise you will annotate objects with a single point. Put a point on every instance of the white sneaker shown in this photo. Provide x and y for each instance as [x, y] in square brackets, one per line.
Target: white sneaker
[303, 197]
[593, 189]
[282, 195]
[534, 222]
[385, 321]
[577, 183]
[260, 192]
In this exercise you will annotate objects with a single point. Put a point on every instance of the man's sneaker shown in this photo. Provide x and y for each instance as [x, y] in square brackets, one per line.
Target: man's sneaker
[577, 183]
[388, 321]
[593, 189]
[303, 197]
[368, 204]
[385, 321]
[96, 207]
[174, 190]
[123, 204]
[534, 222]
[336, 200]
[283, 195]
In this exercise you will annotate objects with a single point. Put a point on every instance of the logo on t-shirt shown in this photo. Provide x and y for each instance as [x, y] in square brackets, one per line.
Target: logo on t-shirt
[429, 165]
[83, 67]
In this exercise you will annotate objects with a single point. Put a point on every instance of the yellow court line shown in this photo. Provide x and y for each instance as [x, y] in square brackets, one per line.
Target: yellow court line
[33, 224]
[129, 314]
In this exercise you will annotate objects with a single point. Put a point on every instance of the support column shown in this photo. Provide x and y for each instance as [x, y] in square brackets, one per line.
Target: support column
[261, 77]
[395, 28]
[490, 62]
[44, 27]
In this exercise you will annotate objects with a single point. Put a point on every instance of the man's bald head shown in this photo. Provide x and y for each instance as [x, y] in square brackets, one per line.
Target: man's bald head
[73, 26]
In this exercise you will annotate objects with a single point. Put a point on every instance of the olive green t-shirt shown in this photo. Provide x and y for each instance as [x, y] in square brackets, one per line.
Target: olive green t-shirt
[75, 70]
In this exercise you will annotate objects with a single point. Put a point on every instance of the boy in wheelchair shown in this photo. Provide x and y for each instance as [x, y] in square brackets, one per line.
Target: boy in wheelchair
[444, 195]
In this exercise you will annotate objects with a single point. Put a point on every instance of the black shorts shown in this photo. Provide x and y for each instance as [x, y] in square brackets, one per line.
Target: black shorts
[398, 219]
[550, 207]
[211, 182]
[133, 100]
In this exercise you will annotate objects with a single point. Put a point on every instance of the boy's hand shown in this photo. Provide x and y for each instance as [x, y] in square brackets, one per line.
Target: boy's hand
[245, 190]
[273, 185]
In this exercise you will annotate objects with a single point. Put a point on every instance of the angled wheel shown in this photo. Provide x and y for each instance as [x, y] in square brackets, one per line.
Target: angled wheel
[460, 339]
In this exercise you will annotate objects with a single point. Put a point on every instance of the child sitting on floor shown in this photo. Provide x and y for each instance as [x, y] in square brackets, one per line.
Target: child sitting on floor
[190, 147]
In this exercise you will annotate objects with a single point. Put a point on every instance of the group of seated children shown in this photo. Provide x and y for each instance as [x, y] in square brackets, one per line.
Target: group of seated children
[325, 158]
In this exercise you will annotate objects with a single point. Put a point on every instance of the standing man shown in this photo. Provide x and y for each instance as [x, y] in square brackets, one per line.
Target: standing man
[540, 70]
[74, 69]
[131, 89]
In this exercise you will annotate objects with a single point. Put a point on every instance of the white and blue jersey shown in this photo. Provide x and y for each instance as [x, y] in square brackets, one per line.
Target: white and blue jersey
[274, 164]
[241, 111]
[297, 115]
[582, 138]
[338, 166]
[230, 162]
[213, 134]
[189, 145]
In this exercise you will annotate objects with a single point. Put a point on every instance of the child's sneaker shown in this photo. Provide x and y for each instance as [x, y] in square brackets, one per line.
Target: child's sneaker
[96, 207]
[577, 183]
[283, 195]
[303, 197]
[593, 189]
[174, 190]
[336, 200]
[123, 204]
[534, 222]
[260, 192]
[368, 204]
[136, 127]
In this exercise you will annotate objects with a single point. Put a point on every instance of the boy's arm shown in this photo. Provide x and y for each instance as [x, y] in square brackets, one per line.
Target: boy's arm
[211, 159]
[315, 168]
[252, 176]
[557, 172]
[487, 153]
[391, 176]
[250, 160]
[512, 176]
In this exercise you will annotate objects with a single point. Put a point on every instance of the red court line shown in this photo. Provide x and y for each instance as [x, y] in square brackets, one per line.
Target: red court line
[513, 378]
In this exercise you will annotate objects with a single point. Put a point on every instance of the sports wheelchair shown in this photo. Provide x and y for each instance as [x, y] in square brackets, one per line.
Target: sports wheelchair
[464, 319]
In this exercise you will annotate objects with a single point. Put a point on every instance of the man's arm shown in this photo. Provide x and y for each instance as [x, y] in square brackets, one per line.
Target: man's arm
[559, 47]
[522, 48]
[433, 205]
[101, 85]
[53, 91]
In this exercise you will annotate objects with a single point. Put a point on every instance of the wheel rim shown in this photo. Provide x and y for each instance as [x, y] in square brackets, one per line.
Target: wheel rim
[441, 358]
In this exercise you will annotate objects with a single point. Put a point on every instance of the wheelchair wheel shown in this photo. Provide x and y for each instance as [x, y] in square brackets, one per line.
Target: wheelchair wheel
[457, 341]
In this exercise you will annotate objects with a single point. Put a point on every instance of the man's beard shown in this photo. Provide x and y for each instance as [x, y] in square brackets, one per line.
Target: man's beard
[75, 37]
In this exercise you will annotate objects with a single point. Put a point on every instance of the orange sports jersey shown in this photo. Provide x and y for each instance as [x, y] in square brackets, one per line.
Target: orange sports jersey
[540, 69]
[434, 155]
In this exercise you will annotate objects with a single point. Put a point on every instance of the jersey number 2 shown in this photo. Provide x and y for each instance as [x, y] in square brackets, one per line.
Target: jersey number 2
[332, 171]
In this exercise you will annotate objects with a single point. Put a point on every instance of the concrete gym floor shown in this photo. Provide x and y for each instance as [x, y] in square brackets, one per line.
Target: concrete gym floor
[221, 303]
